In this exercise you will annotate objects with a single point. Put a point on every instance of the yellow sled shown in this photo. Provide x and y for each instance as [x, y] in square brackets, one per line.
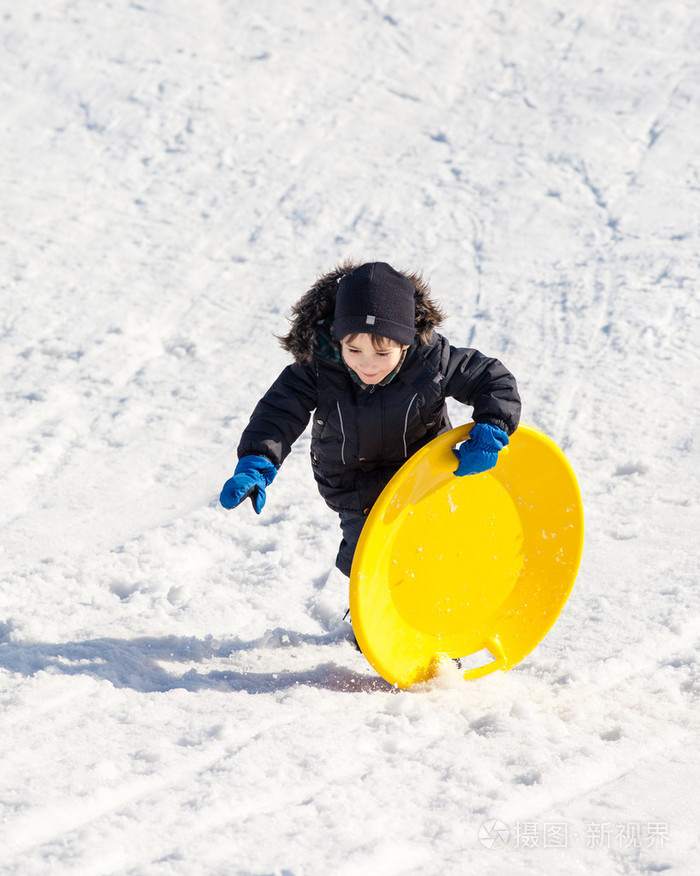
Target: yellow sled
[473, 568]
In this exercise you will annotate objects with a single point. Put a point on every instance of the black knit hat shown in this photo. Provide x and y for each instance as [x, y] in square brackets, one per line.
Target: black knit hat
[375, 299]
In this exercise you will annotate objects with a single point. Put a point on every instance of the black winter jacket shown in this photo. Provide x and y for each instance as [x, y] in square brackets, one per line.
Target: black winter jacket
[361, 436]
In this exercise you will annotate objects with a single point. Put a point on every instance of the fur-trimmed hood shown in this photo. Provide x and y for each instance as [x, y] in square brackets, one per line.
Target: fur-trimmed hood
[318, 306]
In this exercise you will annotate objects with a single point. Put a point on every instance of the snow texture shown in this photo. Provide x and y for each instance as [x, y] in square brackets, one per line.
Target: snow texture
[179, 695]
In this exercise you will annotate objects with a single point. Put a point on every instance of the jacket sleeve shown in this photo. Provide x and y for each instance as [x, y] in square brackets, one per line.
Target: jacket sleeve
[281, 415]
[485, 383]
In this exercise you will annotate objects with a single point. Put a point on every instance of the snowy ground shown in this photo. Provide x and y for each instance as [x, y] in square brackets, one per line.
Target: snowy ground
[177, 693]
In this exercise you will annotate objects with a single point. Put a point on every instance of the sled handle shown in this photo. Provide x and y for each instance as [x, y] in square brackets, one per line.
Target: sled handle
[486, 659]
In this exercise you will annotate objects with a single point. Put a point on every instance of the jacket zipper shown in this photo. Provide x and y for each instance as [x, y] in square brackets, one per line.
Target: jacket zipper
[342, 430]
[405, 425]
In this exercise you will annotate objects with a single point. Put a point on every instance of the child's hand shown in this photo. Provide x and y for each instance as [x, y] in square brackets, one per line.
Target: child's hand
[480, 452]
[252, 475]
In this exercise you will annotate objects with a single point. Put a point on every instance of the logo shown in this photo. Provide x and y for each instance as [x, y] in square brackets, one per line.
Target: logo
[494, 834]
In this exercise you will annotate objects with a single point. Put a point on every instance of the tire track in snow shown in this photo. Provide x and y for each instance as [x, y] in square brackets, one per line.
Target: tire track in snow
[631, 717]
[179, 836]
[591, 776]
[39, 827]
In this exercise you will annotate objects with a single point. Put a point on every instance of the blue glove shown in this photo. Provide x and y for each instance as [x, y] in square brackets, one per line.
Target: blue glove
[252, 475]
[480, 452]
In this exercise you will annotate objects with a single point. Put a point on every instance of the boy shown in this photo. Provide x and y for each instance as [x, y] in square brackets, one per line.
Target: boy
[375, 374]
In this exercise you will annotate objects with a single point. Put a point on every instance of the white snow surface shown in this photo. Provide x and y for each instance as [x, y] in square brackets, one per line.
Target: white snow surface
[179, 695]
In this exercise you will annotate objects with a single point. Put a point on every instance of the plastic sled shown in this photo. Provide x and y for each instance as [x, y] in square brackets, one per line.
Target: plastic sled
[473, 568]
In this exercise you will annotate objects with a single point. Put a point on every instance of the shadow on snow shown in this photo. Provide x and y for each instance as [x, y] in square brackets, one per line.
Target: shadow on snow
[137, 663]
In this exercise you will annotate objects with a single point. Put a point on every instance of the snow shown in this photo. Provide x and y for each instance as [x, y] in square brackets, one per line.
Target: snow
[178, 692]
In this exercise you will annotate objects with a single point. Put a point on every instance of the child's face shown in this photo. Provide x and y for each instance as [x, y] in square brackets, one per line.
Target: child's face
[371, 364]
